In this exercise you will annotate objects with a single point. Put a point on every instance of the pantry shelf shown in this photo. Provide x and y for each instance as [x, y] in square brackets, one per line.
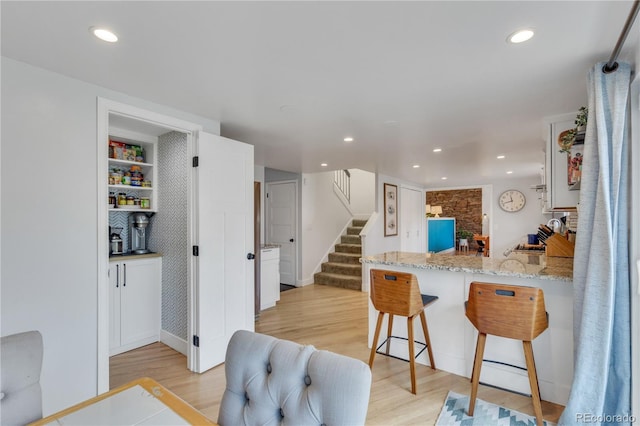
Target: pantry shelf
[131, 187]
[129, 163]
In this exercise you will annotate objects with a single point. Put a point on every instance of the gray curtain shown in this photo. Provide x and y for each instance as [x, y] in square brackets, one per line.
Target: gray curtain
[601, 387]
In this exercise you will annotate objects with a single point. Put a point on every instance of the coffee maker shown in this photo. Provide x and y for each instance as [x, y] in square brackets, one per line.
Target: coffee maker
[138, 223]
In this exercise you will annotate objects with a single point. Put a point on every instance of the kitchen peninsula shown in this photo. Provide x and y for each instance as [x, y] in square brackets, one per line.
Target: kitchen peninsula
[454, 338]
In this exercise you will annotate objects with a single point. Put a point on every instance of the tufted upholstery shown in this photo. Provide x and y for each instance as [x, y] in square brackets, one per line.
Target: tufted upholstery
[277, 382]
[21, 362]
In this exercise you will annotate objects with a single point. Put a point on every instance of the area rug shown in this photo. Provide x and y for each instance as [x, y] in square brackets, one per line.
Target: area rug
[454, 412]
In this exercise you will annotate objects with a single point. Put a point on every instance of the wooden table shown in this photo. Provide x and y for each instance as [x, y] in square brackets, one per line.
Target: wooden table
[142, 401]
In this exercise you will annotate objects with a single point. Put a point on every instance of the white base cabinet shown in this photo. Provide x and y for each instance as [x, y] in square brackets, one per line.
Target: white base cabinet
[134, 303]
[269, 277]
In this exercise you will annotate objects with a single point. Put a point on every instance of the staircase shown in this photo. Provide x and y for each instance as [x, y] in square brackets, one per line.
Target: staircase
[343, 268]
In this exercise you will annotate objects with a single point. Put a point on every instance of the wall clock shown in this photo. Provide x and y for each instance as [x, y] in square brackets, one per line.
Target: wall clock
[512, 200]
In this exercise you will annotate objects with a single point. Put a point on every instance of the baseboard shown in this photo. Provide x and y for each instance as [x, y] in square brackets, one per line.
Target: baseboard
[174, 342]
[302, 283]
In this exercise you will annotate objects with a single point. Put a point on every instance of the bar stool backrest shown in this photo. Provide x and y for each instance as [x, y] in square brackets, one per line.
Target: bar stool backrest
[396, 293]
[506, 310]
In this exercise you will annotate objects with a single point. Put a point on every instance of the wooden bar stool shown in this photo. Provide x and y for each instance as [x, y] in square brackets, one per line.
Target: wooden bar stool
[398, 293]
[510, 311]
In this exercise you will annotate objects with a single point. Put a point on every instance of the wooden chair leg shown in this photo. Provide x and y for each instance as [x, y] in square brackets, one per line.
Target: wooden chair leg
[533, 381]
[477, 365]
[412, 359]
[375, 339]
[389, 332]
[427, 340]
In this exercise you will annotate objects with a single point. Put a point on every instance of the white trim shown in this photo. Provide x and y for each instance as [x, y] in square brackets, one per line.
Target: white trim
[174, 342]
[298, 246]
[342, 198]
[104, 108]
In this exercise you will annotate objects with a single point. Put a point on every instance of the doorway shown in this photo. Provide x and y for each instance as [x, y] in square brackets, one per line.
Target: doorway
[282, 226]
[136, 124]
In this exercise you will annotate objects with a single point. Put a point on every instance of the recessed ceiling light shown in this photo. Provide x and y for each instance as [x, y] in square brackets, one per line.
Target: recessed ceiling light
[437, 149]
[348, 139]
[500, 157]
[103, 34]
[324, 165]
[443, 178]
[510, 172]
[416, 166]
[520, 36]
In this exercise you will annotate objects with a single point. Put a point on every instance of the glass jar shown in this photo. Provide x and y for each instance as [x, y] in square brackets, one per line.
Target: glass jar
[145, 203]
[130, 199]
[122, 199]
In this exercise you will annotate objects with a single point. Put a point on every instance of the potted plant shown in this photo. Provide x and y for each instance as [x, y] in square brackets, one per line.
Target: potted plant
[568, 137]
[581, 119]
[463, 236]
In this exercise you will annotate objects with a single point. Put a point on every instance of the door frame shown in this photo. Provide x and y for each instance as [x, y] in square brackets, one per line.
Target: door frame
[295, 227]
[105, 107]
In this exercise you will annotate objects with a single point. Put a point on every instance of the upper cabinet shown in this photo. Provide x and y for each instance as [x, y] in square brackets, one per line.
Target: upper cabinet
[132, 171]
[563, 164]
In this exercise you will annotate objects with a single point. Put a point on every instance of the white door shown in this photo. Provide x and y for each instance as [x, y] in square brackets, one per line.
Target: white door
[411, 220]
[282, 202]
[224, 293]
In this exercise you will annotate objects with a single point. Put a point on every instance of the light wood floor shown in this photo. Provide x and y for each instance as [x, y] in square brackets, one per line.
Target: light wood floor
[328, 318]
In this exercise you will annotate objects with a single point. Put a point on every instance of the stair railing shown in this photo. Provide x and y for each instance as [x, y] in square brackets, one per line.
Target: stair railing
[342, 179]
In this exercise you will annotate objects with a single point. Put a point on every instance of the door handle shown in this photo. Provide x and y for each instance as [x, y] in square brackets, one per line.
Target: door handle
[291, 240]
[251, 256]
[124, 278]
[117, 276]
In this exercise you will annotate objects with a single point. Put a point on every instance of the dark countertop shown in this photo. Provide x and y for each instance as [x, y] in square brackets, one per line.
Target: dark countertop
[131, 256]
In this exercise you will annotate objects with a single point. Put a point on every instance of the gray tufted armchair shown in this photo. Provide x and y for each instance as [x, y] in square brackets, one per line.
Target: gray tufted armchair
[21, 362]
[277, 382]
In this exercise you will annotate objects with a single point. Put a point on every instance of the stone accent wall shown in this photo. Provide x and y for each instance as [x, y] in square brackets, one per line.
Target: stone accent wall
[463, 204]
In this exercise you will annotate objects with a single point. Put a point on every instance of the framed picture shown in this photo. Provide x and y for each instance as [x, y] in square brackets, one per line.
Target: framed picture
[574, 165]
[390, 210]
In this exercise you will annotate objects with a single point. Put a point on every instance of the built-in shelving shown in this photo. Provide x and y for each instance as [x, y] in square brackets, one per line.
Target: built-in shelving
[147, 167]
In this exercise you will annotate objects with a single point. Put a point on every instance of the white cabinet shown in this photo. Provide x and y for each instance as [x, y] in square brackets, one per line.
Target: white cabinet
[134, 154]
[134, 303]
[561, 194]
[269, 277]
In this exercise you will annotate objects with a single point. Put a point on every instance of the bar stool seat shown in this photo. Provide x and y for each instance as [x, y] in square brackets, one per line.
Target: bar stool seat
[398, 293]
[514, 312]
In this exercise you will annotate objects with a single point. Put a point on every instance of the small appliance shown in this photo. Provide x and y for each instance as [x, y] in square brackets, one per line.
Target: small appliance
[138, 223]
[115, 241]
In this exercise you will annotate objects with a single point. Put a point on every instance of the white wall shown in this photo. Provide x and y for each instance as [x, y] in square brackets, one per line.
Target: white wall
[509, 229]
[324, 217]
[49, 221]
[363, 193]
[375, 242]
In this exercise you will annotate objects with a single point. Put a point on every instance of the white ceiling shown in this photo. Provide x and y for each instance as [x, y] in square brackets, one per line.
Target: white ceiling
[295, 78]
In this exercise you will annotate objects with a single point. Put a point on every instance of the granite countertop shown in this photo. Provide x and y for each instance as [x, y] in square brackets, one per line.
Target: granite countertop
[516, 265]
[132, 256]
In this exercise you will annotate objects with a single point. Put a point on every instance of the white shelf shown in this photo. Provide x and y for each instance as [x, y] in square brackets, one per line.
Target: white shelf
[125, 209]
[130, 187]
[128, 163]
